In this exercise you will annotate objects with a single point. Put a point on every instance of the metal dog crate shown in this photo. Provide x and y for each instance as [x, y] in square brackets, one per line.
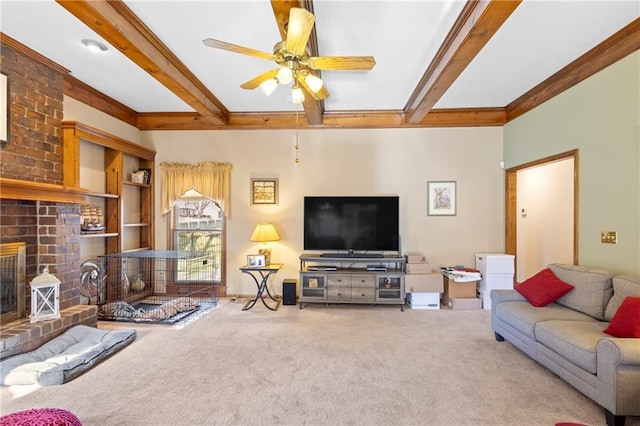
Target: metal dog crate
[136, 283]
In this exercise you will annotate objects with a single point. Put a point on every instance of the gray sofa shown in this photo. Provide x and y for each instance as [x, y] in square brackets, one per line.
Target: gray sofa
[568, 337]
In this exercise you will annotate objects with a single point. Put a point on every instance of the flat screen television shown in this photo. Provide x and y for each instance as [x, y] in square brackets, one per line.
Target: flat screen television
[362, 223]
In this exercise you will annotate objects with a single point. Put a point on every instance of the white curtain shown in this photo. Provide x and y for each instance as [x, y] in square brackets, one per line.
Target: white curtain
[213, 180]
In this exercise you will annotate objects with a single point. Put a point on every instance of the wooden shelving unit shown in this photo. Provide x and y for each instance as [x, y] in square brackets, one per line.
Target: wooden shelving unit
[127, 206]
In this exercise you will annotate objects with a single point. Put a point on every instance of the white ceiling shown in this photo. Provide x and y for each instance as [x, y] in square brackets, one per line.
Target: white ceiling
[537, 40]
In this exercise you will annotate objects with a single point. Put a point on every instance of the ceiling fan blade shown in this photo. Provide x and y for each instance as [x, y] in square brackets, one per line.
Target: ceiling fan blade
[299, 28]
[256, 81]
[342, 62]
[237, 49]
[319, 95]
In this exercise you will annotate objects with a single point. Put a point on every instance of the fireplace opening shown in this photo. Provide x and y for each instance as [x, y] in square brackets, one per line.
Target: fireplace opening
[12, 282]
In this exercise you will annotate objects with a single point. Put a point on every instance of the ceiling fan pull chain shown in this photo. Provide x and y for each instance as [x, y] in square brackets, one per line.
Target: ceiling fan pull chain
[297, 146]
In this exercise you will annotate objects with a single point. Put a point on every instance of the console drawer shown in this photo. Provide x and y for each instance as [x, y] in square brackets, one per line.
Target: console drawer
[363, 280]
[339, 280]
[339, 293]
[363, 294]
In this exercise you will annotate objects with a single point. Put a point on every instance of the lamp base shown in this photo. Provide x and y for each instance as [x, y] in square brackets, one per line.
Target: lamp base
[267, 255]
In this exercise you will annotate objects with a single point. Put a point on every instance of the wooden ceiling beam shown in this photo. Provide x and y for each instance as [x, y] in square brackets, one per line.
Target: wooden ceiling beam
[117, 24]
[86, 94]
[477, 23]
[313, 109]
[332, 120]
[611, 50]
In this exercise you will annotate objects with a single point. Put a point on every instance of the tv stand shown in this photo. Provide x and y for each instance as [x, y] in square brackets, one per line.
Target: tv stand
[351, 278]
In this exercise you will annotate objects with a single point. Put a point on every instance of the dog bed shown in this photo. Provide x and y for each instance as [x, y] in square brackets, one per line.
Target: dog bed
[65, 357]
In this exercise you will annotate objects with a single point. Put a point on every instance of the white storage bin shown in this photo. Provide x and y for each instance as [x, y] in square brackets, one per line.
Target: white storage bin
[485, 295]
[498, 281]
[423, 300]
[495, 263]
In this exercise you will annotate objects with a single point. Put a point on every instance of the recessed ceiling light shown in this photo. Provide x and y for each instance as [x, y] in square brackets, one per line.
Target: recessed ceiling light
[94, 45]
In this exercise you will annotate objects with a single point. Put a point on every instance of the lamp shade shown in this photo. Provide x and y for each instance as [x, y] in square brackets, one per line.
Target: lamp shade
[265, 232]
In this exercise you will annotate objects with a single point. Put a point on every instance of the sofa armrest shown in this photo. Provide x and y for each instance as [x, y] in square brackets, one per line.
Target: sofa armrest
[619, 375]
[621, 351]
[499, 296]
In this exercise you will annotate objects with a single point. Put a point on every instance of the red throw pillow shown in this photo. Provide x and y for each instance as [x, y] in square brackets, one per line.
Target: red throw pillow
[543, 288]
[626, 320]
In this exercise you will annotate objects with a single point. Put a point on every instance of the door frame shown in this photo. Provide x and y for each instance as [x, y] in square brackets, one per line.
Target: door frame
[511, 213]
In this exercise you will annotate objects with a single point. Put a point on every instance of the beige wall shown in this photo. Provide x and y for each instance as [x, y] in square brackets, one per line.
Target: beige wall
[352, 162]
[338, 162]
[82, 113]
[601, 117]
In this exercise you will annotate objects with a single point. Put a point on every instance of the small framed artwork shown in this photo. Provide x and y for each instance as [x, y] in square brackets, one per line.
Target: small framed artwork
[264, 191]
[4, 108]
[441, 198]
[255, 261]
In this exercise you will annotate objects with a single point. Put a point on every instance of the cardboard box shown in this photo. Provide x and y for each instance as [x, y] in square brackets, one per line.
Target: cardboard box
[423, 300]
[417, 268]
[423, 283]
[414, 257]
[460, 303]
[454, 289]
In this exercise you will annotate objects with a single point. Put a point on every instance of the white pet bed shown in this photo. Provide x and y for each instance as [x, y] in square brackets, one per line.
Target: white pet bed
[65, 357]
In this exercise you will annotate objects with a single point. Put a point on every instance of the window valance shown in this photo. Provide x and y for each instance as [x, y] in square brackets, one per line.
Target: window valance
[213, 180]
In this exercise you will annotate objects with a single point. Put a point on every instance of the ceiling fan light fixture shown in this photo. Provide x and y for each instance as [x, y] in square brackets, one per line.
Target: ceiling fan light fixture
[285, 75]
[296, 95]
[314, 83]
[268, 86]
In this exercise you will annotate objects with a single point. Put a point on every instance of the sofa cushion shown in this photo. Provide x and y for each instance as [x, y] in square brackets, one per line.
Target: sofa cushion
[575, 341]
[623, 286]
[543, 288]
[626, 321]
[592, 288]
[523, 316]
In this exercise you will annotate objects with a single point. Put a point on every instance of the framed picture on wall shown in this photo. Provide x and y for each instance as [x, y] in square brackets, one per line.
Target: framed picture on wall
[264, 191]
[441, 198]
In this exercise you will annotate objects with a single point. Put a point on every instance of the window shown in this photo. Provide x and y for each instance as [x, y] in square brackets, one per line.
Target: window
[198, 237]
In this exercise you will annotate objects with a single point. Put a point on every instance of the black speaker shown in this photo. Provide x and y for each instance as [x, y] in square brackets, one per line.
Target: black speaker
[289, 291]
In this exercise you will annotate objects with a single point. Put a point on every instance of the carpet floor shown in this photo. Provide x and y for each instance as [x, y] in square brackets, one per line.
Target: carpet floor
[321, 365]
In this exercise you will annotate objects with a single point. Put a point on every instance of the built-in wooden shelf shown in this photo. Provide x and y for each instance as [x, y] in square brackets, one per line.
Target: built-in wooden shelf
[136, 225]
[99, 235]
[136, 249]
[141, 185]
[102, 195]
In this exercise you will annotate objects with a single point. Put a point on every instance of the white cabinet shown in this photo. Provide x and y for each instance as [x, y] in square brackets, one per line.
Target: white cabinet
[497, 271]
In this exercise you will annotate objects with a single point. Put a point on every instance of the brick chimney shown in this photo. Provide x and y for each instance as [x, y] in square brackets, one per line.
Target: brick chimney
[50, 229]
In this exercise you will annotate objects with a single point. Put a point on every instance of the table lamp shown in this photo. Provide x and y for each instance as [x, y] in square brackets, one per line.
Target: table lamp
[264, 233]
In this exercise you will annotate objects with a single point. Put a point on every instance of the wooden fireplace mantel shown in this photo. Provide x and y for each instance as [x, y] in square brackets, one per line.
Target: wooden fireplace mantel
[15, 189]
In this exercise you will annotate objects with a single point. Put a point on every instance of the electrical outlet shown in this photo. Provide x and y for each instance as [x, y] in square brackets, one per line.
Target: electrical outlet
[609, 237]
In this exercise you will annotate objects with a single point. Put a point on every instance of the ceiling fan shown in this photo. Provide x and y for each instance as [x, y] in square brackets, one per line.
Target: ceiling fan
[295, 64]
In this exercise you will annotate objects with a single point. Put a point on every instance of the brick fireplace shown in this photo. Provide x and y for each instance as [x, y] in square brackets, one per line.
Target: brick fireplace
[35, 207]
